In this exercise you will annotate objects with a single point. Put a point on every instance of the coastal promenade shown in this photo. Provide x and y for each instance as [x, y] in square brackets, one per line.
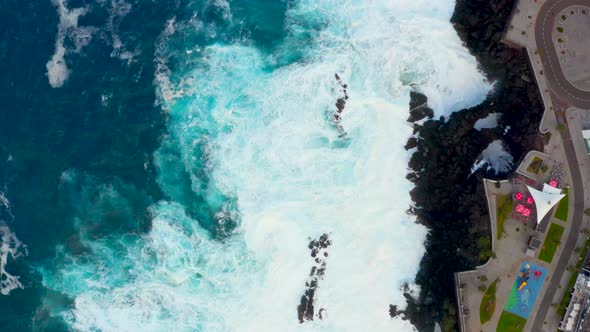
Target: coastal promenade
[556, 43]
[564, 95]
[572, 238]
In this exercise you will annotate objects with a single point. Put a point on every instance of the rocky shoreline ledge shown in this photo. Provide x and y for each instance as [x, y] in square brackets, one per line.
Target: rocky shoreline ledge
[448, 199]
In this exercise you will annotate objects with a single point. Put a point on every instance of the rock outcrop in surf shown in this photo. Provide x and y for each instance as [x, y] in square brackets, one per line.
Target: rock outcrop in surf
[319, 253]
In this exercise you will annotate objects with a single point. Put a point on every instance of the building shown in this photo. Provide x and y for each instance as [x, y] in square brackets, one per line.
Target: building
[586, 135]
[577, 318]
[546, 199]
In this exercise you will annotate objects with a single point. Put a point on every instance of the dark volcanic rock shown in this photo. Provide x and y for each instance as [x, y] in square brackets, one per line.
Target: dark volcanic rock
[448, 200]
[393, 312]
[335, 116]
[419, 107]
[412, 143]
[305, 309]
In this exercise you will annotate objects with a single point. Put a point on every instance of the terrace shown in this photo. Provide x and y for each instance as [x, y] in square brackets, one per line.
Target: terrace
[525, 227]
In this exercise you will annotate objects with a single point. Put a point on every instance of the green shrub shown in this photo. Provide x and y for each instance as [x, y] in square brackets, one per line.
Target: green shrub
[551, 243]
[535, 165]
[503, 209]
[510, 323]
[562, 209]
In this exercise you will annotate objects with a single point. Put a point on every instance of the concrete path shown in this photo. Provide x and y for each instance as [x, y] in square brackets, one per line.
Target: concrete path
[531, 26]
[576, 210]
[509, 254]
[544, 26]
[572, 43]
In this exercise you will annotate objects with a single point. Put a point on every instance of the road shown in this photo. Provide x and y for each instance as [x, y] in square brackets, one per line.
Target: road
[570, 243]
[544, 26]
[564, 93]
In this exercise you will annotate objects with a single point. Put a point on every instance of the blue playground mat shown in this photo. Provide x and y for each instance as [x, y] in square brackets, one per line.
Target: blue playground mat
[520, 302]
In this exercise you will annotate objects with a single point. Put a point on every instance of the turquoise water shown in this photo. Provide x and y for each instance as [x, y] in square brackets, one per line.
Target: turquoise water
[170, 162]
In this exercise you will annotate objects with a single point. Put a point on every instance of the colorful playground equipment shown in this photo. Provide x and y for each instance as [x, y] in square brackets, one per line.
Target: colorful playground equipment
[524, 276]
[527, 284]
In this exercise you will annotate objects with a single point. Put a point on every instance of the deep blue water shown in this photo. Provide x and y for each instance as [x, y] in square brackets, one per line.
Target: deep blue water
[47, 131]
[102, 127]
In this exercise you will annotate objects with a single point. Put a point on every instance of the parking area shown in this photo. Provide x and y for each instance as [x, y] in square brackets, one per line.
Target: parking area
[572, 43]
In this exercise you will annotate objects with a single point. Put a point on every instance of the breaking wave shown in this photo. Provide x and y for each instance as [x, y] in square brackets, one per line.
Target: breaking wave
[270, 145]
[495, 158]
[10, 249]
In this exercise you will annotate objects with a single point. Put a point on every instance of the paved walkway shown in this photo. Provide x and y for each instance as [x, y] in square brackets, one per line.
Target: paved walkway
[544, 25]
[575, 222]
[509, 250]
[569, 95]
[532, 27]
[572, 43]
[575, 118]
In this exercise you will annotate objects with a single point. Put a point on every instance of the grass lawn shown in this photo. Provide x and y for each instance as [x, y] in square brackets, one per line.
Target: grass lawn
[551, 243]
[510, 323]
[488, 303]
[562, 208]
[565, 300]
[535, 165]
[503, 209]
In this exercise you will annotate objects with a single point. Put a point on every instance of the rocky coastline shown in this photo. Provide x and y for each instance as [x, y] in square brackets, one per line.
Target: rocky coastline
[448, 199]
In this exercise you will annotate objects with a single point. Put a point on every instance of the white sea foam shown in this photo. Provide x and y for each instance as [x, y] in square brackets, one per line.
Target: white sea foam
[117, 11]
[269, 145]
[57, 69]
[10, 249]
[495, 157]
[6, 203]
[490, 121]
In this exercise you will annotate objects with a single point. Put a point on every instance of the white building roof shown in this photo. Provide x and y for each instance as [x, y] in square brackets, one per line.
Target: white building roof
[550, 189]
[545, 200]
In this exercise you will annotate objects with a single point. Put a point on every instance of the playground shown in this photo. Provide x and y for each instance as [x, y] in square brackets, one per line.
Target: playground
[527, 285]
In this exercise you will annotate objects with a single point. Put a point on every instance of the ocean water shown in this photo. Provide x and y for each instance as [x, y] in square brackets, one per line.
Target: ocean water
[166, 164]
[494, 158]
